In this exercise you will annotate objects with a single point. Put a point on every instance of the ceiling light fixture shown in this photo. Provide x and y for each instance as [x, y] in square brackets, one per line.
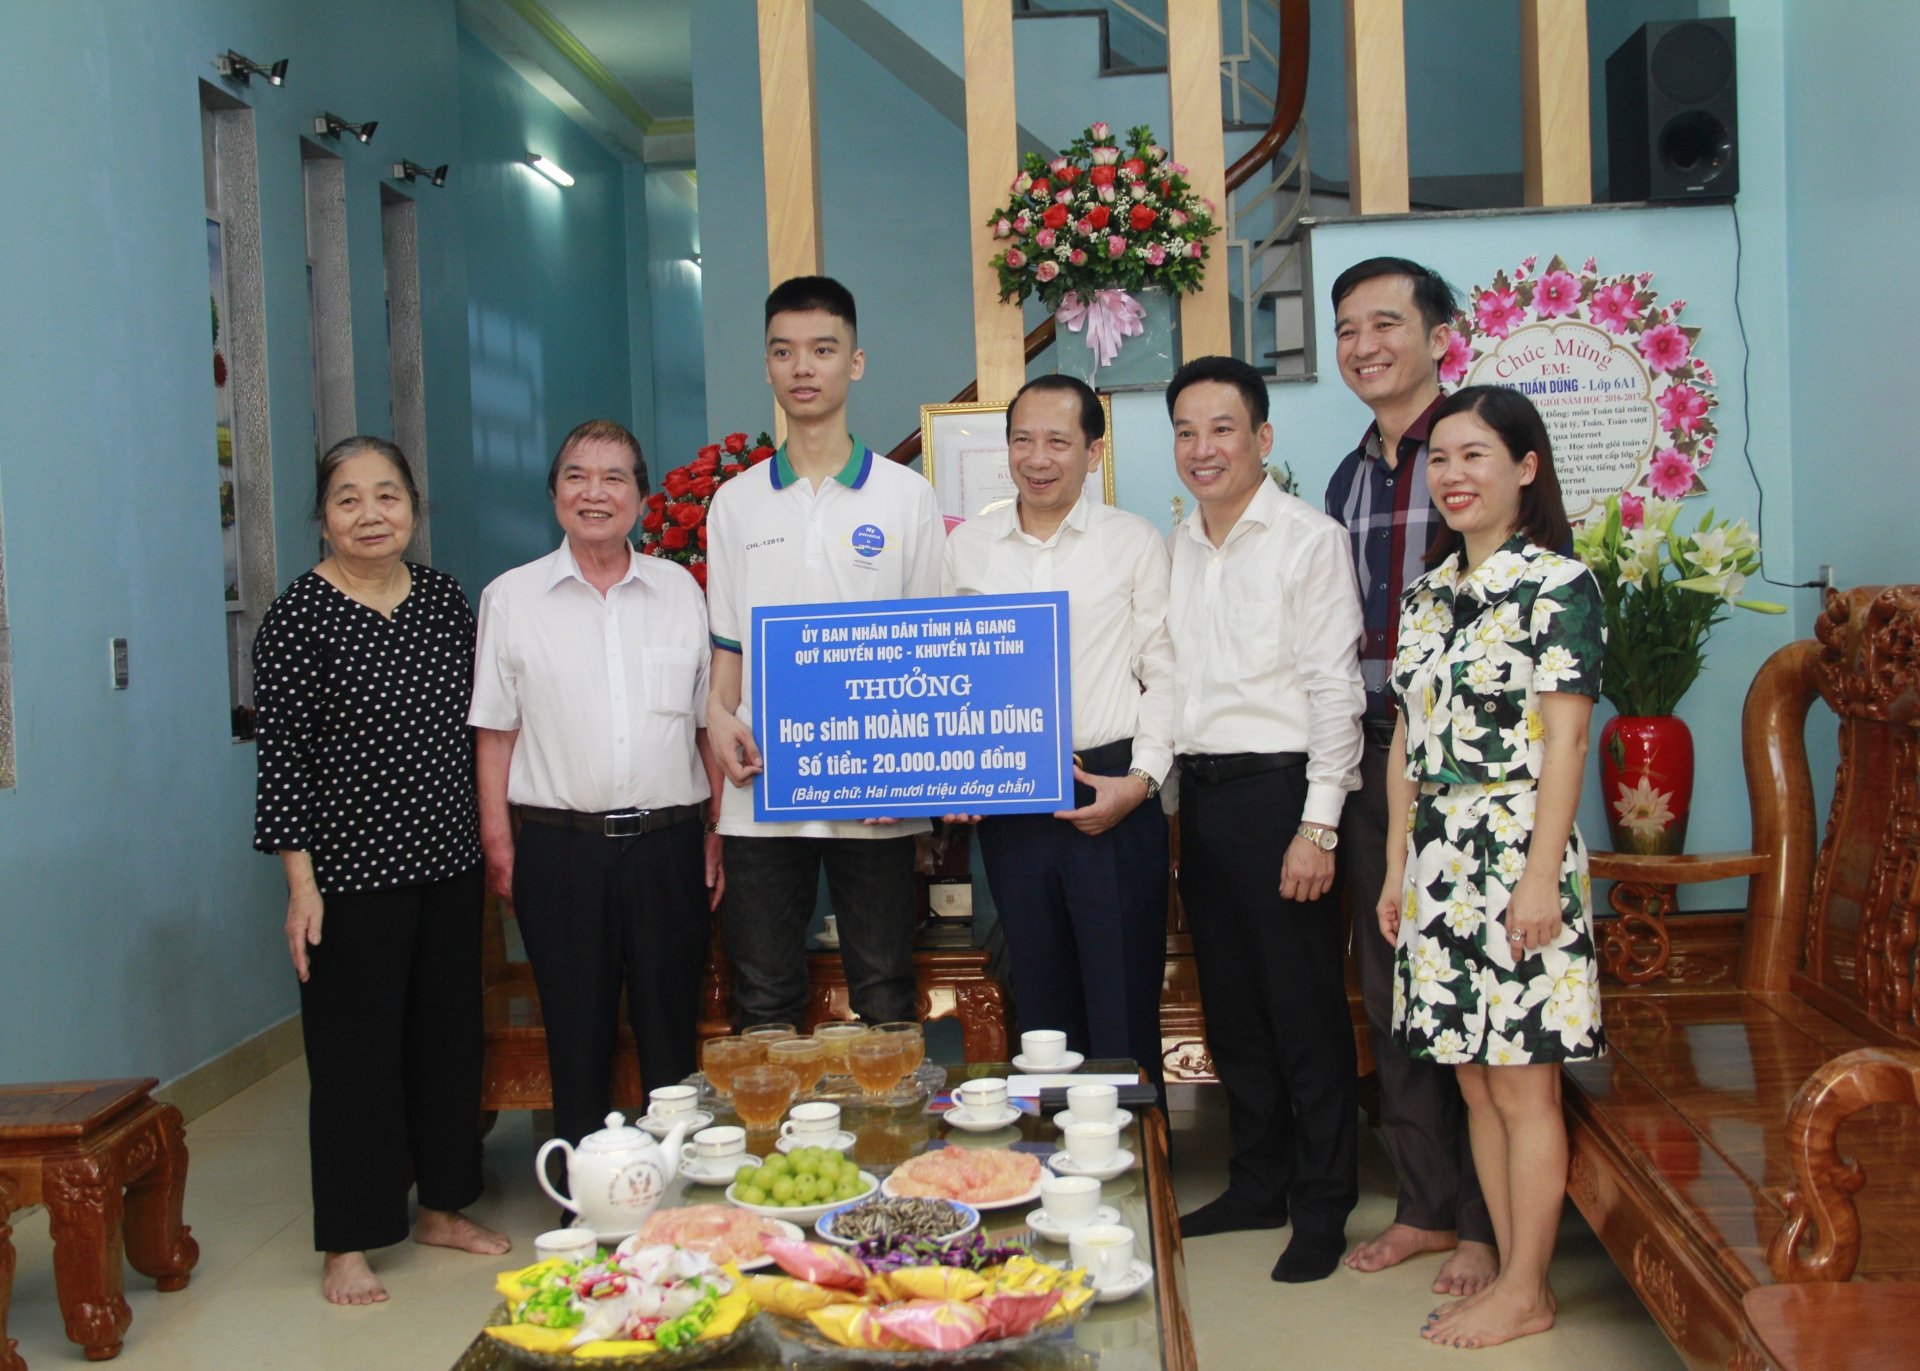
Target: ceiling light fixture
[553, 171]
[242, 70]
[331, 125]
[404, 170]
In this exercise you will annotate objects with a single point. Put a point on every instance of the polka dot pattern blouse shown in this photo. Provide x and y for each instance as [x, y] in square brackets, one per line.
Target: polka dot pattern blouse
[365, 757]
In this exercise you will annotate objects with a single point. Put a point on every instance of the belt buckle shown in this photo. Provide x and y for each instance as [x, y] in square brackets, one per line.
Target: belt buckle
[625, 824]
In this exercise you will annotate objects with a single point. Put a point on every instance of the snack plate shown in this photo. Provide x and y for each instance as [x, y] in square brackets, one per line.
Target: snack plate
[693, 1354]
[804, 1334]
[824, 1224]
[792, 1232]
[807, 1213]
[1028, 1197]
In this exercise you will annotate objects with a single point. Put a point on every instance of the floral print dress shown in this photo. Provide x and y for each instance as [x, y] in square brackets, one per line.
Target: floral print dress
[1476, 652]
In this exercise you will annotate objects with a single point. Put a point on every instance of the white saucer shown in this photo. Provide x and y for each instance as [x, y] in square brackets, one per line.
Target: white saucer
[695, 1121]
[704, 1175]
[1063, 1165]
[822, 940]
[1024, 1064]
[842, 1141]
[1121, 1118]
[1138, 1276]
[968, 1120]
[1040, 1223]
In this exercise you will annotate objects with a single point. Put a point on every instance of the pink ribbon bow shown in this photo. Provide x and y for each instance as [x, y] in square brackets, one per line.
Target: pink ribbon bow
[1112, 317]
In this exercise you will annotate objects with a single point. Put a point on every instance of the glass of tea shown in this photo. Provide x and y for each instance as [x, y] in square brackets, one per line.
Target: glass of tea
[722, 1058]
[876, 1062]
[837, 1036]
[806, 1058]
[912, 1039]
[762, 1096]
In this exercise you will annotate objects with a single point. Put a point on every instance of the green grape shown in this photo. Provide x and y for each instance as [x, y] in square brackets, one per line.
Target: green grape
[782, 1190]
[750, 1194]
[804, 1163]
[848, 1188]
[806, 1189]
[745, 1176]
[776, 1165]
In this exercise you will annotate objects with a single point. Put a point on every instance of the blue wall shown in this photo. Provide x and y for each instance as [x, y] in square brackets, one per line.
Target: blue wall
[675, 289]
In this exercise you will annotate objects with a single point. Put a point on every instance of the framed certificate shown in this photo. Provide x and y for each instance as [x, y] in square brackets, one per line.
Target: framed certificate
[964, 451]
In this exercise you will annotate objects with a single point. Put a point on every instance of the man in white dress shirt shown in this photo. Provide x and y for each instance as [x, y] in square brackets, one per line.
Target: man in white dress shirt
[1266, 633]
[589, 697]
[1082, 894]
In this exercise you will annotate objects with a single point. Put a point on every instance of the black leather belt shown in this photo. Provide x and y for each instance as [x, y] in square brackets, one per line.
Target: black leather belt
[1108, 759]
[1379, 731]
[616, 823]
[1213, 768]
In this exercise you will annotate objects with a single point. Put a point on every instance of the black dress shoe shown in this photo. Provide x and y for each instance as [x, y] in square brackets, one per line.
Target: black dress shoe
[1230, 1214]
[1310, 1256]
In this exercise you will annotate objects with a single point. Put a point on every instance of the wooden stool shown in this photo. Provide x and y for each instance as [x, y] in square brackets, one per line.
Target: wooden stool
[110, 1164]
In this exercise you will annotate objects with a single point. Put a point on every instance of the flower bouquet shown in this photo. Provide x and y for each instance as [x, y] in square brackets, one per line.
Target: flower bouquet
[1090, 227]
[1664, 589]
[674, 525]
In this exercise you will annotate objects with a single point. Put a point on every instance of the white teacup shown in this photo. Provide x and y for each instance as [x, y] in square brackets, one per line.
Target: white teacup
[568, 1244]
[1092, 1144]
[830, 929]
[816, 1122]
[1069, 1200]
[711, 1146]
[1092, 1103]
[1104, 1251]
[671, 1103]
[1044, 1046]
[984, 1095]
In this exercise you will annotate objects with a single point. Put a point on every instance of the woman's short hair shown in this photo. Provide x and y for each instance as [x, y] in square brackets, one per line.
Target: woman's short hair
[599, 431]
[337, 456]
[1518, 425]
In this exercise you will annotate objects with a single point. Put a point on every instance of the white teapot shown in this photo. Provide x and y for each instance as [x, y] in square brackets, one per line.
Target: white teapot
[616, 1176]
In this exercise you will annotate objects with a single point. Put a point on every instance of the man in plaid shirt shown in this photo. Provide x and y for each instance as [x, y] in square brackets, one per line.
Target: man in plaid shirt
[1392, 322]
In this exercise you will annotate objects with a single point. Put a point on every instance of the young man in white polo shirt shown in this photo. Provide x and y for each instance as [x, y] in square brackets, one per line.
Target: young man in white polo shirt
[1082, 894]
[827, 520]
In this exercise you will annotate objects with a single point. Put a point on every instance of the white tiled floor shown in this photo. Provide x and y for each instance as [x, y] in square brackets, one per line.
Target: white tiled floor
[255, 1302]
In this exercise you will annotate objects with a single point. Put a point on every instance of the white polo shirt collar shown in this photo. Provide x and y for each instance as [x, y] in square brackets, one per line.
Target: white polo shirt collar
[853, 475]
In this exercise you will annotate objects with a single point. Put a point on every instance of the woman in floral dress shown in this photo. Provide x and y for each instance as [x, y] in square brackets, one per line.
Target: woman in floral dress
[1488, 902]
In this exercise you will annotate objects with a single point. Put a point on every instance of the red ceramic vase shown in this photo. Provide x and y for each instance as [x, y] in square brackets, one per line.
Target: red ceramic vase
[1646, 776]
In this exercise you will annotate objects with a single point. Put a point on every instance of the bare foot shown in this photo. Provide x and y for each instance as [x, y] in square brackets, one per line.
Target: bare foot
[451, 1228]
[1468, 1271]
[347, 1279]
[1395, 1243]
[1498, 1314]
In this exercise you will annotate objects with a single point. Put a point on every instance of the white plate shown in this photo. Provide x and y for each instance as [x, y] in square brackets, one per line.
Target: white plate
[1008, 1203]
[806, 1213]
[1040, 1223]
[1024, 1064]
[968, 1120]
[1063, 1165]
[792, 1232]
[695, 1121]
[1138, 1275]
[842, 1141]
[719, 1175]
[967, 1211]
[1121, 1118]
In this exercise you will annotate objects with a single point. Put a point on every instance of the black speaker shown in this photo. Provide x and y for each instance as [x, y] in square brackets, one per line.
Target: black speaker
[1672, 113]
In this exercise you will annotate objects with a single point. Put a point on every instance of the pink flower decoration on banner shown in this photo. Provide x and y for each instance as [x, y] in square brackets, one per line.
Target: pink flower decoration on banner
[1681, 408]
[1526, 263]
[1588, 267]
[1047, 270]
[1614, 308]
[1556, 294]
[1702, 371]
[1497, 311]
[1633, 511]
[1670, 477]
[1453, 366]
[1665, 347]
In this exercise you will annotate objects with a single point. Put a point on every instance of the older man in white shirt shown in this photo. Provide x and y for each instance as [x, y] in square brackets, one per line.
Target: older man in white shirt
[589, 695]
[1266, 635]
[1082, 893]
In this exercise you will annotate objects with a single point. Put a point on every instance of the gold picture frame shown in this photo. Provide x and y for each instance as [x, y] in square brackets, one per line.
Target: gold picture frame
[963, 453]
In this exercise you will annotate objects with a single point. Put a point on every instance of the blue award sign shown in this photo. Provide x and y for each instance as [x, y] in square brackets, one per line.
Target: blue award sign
[899, 708]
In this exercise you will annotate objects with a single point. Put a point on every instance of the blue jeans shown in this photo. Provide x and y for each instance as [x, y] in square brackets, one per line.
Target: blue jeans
[771, 884]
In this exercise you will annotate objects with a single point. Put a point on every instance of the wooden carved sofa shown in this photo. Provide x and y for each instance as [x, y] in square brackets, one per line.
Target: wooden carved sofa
[1706, 1147]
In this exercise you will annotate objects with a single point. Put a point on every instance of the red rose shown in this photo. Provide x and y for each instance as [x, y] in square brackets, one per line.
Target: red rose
[1098, 216]
[711, 450]
[703, 487]
[1068, 174]
[1040, 189]
[654, 521]
[1166, 190]
[1056, 217]
[688, 515]
[699, 570]
[657, 500]
[1134, 167]
[759, 455]
[1142, 218]
[676, 482]
[701, 535]
[1100, 176]
[703, 466]
[674, 539]
[735, 443]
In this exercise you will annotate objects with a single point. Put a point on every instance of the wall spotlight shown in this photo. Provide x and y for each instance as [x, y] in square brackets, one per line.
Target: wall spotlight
[234, 67]
[404, 170]
[553, 171]
[332, 126]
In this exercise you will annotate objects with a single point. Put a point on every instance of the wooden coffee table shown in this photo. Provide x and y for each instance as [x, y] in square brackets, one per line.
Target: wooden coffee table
[1153, 1321]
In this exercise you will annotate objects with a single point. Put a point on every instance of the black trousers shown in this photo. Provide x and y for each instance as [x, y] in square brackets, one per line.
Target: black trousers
[1085, 920]
[595, 912]
[1276, 1008]
[1423, 1121]
[390, 1014]
[772, 884]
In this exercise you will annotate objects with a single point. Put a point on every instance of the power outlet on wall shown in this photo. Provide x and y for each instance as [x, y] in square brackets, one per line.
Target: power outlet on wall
[1825, 577]
[117, 662]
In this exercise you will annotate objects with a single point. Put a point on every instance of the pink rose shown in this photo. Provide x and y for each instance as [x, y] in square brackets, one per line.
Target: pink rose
[1022, 223]
[1063, 197]
[1176, 168]
[1022, 183]
[1106, 194]
[1459, 356]
[1665, 347]
[1497, 311]
[1557, 293]
[1156, 254]
[1671, 475]
[1083, 227]
[1681, 408]
[1044, 238]
[1156, 153]
[1047, 270]
[1057, 165]
[1196, 250]
[1002, 227]
[1016, 258]
[1116, 245]
[1106, 157]
[1614, 308]
[1077, 258]
[1633, 511]
[1176, 218]
[1100, 131]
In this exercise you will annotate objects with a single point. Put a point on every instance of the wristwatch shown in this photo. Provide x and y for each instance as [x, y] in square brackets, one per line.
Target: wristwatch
[1153, 786]
[1326, 839]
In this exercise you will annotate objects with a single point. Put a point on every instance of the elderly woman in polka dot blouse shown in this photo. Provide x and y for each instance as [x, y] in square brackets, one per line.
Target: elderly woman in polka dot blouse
[362, 672]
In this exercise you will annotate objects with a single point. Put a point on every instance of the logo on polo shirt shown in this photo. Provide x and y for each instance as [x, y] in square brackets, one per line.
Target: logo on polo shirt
[868, 540]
